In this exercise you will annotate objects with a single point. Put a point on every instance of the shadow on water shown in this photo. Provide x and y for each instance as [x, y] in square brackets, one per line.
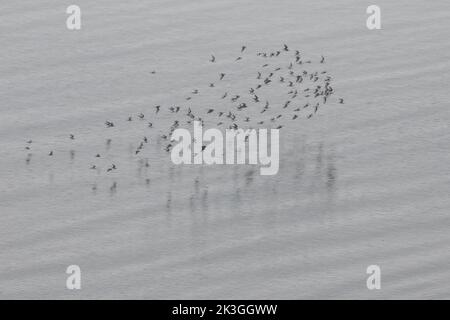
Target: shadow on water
[204, 204]
[249, 177]
[28, 158]
[331, 172]
[113, 188]
[108, 144]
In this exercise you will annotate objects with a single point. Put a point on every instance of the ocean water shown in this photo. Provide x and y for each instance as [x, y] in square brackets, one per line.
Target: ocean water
[361, 183]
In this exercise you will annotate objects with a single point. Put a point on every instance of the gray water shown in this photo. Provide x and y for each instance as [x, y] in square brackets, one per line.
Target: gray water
[360, 183]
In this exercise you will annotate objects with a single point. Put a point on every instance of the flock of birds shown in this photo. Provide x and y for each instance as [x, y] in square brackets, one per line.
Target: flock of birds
[304, 92]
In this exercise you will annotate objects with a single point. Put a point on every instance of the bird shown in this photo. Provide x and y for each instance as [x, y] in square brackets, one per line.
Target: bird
[243, 48]
[213, 59]
[72, 137]
[51, 153]
[222, 75]
[242, 106]
[341, 101]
